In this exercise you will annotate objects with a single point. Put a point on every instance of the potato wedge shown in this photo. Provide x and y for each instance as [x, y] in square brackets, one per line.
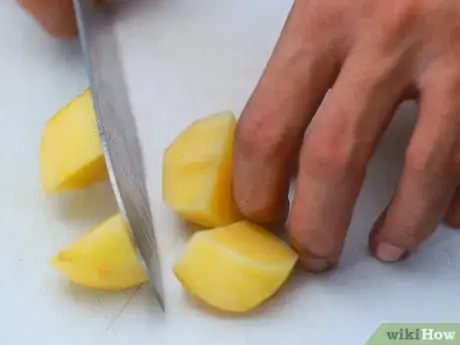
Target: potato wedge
[104, 258]
[70, 153]
[197, 169]
[235, 268]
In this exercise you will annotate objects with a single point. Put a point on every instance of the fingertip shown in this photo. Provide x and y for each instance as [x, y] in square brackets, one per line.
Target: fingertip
[57, 18]
[452, 215]
[384, 250]
[260, 212]
[387, 252]
[310, 261]
[315, 265]
[67, 32]
[452, 220]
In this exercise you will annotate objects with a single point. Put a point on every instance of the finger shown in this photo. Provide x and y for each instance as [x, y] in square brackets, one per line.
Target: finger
[452, 216]
[429, 177]
[56, 16]
[334, 156]
[273, 122]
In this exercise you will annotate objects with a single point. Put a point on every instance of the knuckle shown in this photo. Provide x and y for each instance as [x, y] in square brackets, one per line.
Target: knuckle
[259, 137]
[401, 15]
[397, 20]
[317, 24]
[418, 162]
[331, 157]
[326, 14]
[426, 162]
[447, 80]
[328, 160]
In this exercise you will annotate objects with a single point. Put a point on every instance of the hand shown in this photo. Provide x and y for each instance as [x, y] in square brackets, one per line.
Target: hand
[56, 16]
[373, 54]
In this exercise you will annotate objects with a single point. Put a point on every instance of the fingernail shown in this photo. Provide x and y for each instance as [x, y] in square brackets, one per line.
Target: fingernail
[309, 261]
[315, 264]
[388, 252]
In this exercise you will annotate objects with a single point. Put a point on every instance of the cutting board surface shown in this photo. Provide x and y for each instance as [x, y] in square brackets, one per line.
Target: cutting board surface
[184, 59]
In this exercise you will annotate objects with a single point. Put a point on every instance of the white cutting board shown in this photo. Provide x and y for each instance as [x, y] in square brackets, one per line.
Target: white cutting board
[183, 59]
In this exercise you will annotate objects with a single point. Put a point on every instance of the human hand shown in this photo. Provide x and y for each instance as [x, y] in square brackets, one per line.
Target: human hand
[373, 54]
[56, 16]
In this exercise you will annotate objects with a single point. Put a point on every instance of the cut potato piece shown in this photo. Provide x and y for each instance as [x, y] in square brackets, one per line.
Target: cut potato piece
[235, 268]
[197, 172]
[70, 154]
[102, 259]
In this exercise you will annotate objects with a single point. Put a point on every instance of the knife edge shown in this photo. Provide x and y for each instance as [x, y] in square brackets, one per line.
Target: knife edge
[118, 133]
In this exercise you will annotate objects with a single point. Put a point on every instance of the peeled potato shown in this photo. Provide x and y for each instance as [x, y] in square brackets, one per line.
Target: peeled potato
[70, 153]
[102, 259]
[197, 171]
[235, 268]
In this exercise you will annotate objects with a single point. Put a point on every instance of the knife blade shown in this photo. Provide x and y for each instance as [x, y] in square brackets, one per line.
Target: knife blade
[118, 132]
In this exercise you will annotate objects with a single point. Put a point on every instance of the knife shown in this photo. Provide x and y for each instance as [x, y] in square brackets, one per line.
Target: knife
[118, 132]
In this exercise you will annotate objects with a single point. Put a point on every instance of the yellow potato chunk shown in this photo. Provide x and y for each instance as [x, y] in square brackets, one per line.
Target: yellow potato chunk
[235, 268]
[197, 172]
[104, 258]
[70, 153]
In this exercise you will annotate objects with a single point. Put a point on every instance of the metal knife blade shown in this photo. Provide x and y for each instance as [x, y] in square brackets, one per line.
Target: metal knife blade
[118, 132]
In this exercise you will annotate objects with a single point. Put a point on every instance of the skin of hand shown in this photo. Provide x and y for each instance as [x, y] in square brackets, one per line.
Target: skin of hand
[56, 16]
[340, 69]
